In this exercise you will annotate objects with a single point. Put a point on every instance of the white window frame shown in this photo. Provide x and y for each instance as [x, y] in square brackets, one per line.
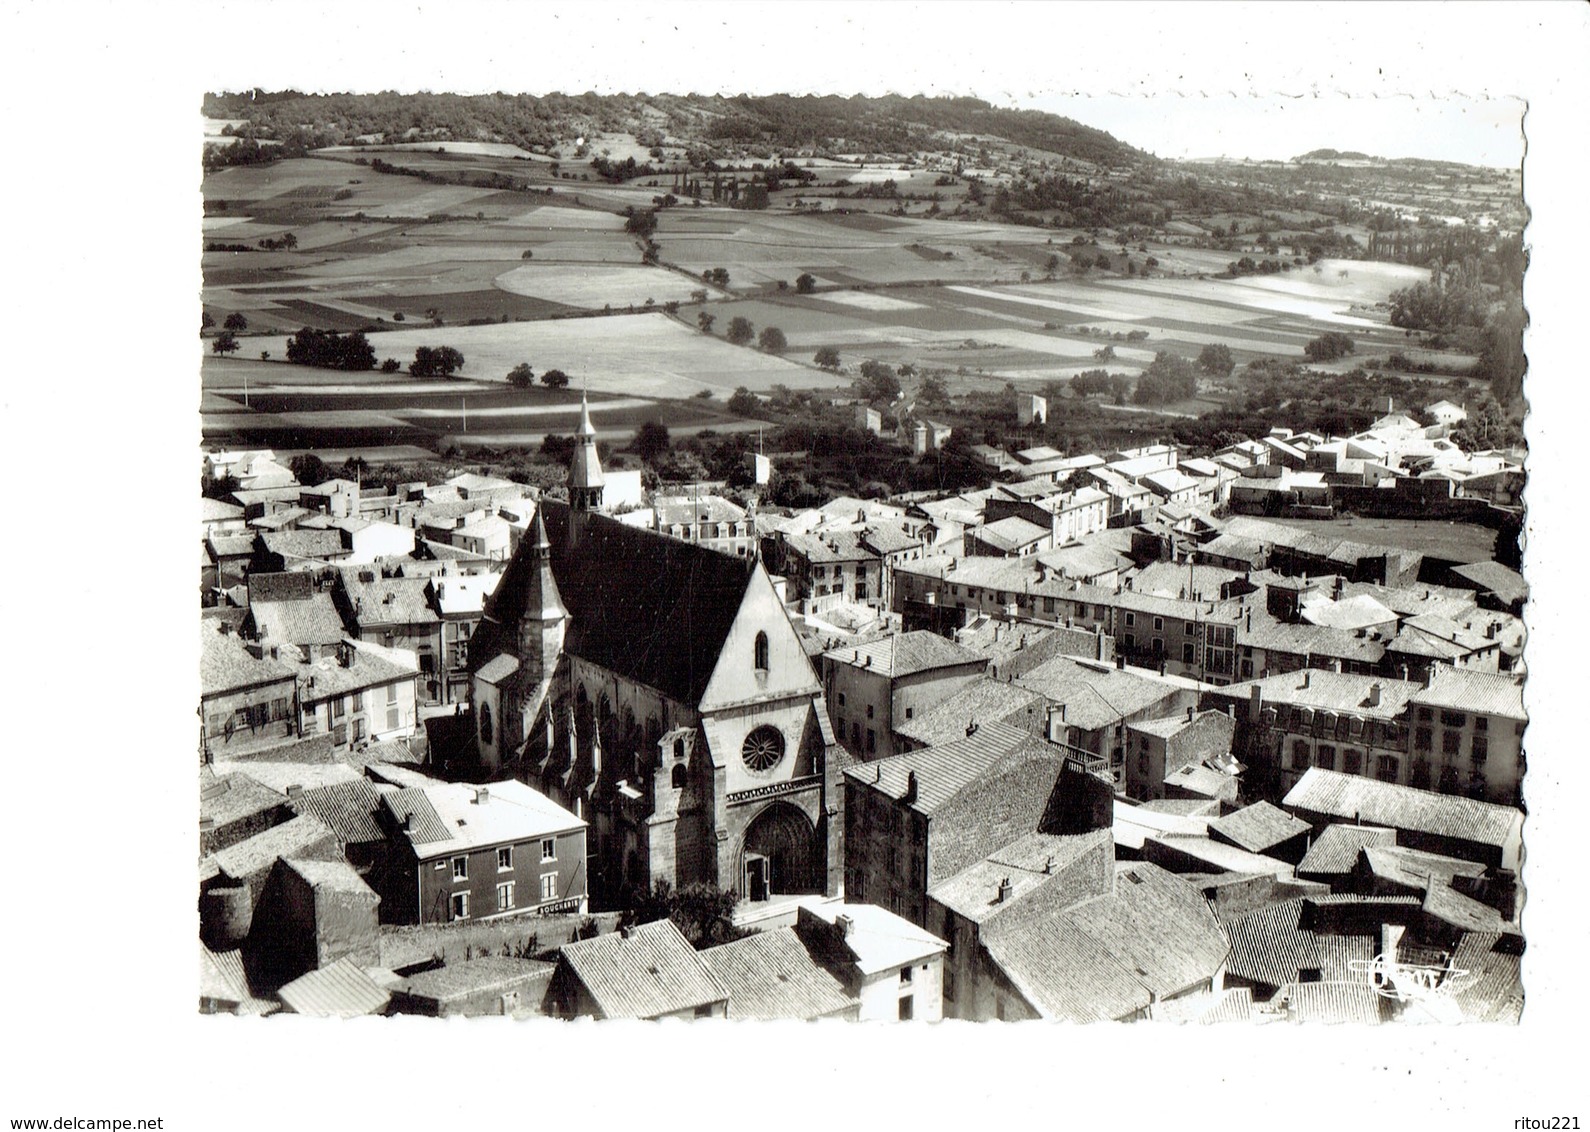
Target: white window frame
[549, 849]
[460, 868]
[549, 887]
[505, 896]
[505, 852]
[458, 906]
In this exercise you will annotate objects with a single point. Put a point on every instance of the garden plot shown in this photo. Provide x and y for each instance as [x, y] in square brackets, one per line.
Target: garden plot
[594, 287]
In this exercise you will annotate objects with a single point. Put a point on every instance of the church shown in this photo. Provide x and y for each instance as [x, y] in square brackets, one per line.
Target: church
[657, 689]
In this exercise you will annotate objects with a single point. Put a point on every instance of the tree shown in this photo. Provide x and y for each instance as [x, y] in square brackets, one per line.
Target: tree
[1168, 377]
[308, 469]
[1502, 359]
[877, 382]
[391, 365]
[225, 343]
[1215, 359]
[235, 321]
[705, 321]
[651, 441]
[703, 913]
[740, 330]
[744, 403]
[206, 322]
[826, 357]
[1090, 383]
[555, 379]
[772, 340]
[436, 361]
[1328, 347]
[1104, 354]
[933, 391]
[521, 376]
[805, 283]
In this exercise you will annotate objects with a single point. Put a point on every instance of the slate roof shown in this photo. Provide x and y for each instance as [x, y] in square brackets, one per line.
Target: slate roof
[878, 939]
[1335, 850]
[654, 609]
[341, 990]
[649, 972]
[1219, 855]
[1403, 807]
[770, 976]
[687, 511]
[1485, 693]
[347, 808]
[511, 812]
[906, 654]
[1258, 827]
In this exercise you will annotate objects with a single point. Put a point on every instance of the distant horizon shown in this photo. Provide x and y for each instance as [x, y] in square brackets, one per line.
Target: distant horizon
[1484, 132]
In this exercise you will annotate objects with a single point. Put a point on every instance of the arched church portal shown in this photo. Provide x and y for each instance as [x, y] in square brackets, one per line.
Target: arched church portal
[779, 856]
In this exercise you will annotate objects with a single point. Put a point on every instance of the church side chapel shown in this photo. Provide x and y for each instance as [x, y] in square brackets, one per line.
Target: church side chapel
[657, 689]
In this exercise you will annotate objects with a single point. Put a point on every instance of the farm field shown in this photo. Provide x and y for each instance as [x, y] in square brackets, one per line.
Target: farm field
[1452, 542]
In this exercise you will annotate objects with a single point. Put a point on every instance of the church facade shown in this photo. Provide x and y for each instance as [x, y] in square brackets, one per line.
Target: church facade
[658, 690]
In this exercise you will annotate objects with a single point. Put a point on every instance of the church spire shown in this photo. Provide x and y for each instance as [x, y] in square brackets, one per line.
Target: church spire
[585, 468]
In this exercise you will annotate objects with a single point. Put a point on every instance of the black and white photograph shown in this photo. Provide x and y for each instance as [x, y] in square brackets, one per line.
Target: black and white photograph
[954, 537]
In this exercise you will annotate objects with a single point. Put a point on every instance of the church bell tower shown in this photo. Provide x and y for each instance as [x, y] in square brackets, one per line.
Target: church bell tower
[585, 468]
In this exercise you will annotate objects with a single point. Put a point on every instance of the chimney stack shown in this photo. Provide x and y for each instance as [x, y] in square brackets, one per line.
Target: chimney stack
[845, 925]
[1003, 893]
[482, 795]
[1192, 713]
[1304, 684]
[1374, 695]
[910, 787]
[294, 790]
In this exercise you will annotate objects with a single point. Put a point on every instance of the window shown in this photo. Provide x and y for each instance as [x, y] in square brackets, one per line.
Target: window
[1131, 641]
[1425, 715]
[1159, 624]
[549, 849]
[505, 896]
[1189, 653]
[1299, 755]
[869, 711]
[1453, 718]
[872, 740]
[339, 708]
[906, 974]
[358, 729]
[460, 905]
[855, 734]
[460, 868]
[1479, 748]
[1325, 757]
[704, 1011]
[391, 718]
[358, 701]
[1142, 763]
[1451, 741]
[841, 699]
[761, 652]
[1481, 723]
[906, 1007]
[763, 748]
[391, 693]
[909, 712]
[485, 725]
[505, 858]
[1131, 618]
[1352, 761]
[549, 886]
[1421, 738]
[1386, 768]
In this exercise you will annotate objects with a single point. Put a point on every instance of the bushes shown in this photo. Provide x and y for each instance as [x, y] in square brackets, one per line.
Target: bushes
[1328, 347]
[436, 361]
[327, 349]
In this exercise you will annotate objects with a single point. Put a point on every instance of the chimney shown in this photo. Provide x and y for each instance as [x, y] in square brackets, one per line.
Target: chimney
[1048, 864]
[1120, 660]
[482, 795]
[1304, 684]
[971, 728]
[294, 790]
[1404, 671]
[910, 787]
[1003, 894]
[1374, 695]
[626, 931]
[1429, 675]
[844, 925]
[408, 821]
[1191, 713]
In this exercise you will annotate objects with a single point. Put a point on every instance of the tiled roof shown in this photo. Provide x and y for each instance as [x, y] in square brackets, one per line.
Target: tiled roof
[1218, 854]
[226, 664]
[341, 990]
[289, 585]
[230, 546]
[1067, 975]
[372, 666]
[485, 973]
[1452, 907]
[1094, 697]
[689, 511]
[1332, 691]
[1029, 863]
[333, 876]
[943, 771]
[648, 972]
[347, 808]
[226, 968]
[982, 700]
[1268, 945]
[305, 837]
[231, 797]
[1258, 827]
[1009, 533]
[1414, 868]
[1351, 796]
[311, 621]
[1460, 689]
[905, 654]
[1509, 585]
[770, 976]
[1492, 990]
[1335, 849]
[298, 546]
[1331, 1002]
[410, 804]
[1303, 639]
[1234, 1004]
[373, 600]
[1197, 779]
